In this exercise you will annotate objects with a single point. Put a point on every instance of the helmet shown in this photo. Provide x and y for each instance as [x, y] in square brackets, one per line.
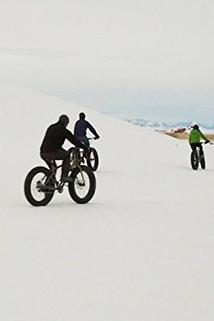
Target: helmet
[82, 115]
[64, 119]
[196, 127]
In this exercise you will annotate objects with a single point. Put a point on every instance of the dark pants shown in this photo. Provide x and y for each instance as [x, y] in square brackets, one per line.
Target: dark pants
[84, 140]
[193, 146]
[59, 154]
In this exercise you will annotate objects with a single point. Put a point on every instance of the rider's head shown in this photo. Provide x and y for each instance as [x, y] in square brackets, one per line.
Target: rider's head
[82, 116]
[63, 119]
[196, 127]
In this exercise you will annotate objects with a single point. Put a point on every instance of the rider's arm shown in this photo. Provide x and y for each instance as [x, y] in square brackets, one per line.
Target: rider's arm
[91, 128]
[204, 137]
[73, 140]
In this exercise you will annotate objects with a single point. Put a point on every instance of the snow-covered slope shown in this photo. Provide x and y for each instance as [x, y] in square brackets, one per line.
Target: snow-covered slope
[142, 249]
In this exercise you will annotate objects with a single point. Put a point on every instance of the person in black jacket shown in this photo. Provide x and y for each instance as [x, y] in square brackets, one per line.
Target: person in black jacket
[81, 127]
[51, 148]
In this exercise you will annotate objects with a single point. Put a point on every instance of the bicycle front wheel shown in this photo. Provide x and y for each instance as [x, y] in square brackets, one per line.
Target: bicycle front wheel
[93, 159]
[83, 185]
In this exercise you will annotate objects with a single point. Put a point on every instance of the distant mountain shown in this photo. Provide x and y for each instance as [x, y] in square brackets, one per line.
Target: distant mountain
[165, 125]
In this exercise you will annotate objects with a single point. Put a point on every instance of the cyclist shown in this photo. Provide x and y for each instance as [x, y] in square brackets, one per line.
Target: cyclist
[81, 127]
[195, 138]
[51, 148]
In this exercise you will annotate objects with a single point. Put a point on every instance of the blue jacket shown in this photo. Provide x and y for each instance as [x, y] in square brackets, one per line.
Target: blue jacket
[81, 127]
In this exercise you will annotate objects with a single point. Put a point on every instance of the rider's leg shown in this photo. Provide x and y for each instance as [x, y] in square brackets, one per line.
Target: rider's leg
[84, 140]
[60, 154]
[201, 149]
[64, 155]
[193, 146]
[65, 167]
[45, 157]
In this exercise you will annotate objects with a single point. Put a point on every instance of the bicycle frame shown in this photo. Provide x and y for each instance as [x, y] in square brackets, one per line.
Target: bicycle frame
[74, 162]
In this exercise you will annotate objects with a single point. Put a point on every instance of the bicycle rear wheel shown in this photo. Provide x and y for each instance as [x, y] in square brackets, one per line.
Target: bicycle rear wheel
[202, 161]
[83, 185]
[194, 160]
[35, 190]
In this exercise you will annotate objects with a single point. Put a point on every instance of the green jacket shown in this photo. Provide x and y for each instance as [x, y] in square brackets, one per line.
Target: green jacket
[195, 136]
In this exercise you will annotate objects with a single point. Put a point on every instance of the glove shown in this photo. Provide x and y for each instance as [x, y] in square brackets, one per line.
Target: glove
[207, 141]
[97, 137]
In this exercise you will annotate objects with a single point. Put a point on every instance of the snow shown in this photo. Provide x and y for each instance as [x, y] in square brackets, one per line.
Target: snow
[142, 249]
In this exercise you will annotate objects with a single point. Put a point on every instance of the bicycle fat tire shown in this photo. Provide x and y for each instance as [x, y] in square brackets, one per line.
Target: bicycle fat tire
[202, 161]
[194, 160]
[28, 187]
[93, 159]
[74, 184]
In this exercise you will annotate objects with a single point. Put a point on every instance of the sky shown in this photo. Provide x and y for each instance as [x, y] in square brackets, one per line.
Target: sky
[111, 54]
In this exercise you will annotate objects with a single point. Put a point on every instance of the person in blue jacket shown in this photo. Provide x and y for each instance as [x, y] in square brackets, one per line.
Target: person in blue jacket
[80, 129]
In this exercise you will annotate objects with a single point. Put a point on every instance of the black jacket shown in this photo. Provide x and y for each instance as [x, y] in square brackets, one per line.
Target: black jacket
[55, 137]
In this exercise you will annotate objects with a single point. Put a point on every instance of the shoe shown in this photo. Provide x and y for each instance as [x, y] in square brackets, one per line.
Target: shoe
[66, 179]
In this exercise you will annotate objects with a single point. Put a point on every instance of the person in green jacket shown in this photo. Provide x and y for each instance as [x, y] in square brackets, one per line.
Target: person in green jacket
[195, 138]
